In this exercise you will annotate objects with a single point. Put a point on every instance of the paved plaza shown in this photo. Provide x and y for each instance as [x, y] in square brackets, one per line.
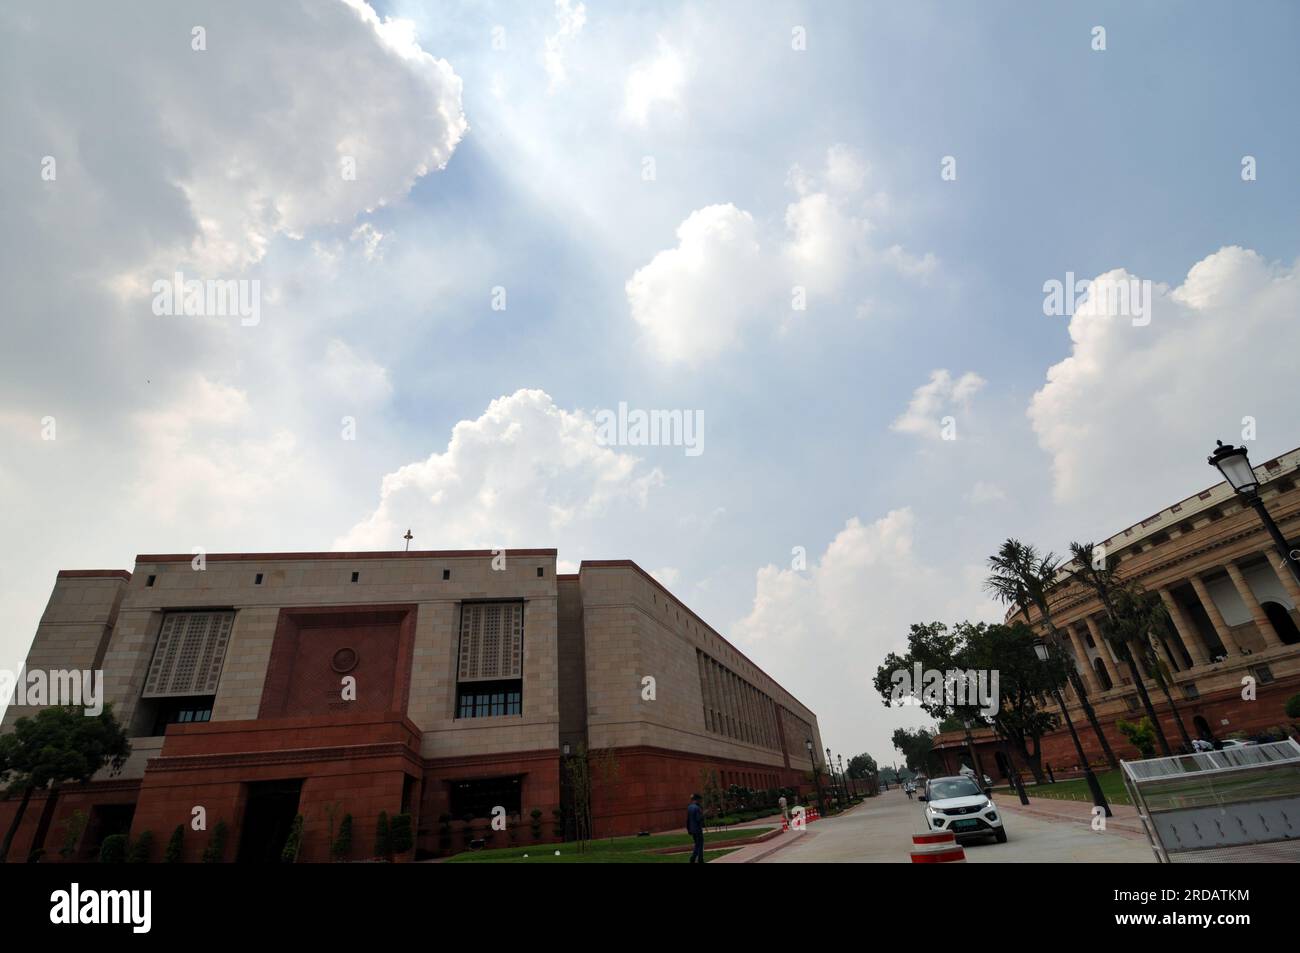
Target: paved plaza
[880, 831]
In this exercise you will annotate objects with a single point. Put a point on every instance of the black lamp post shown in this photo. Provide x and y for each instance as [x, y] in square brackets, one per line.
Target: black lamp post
[1043, 652]
[974, 755]
[1235, 466]
[821, 804]
[837, 786]
[848, 793]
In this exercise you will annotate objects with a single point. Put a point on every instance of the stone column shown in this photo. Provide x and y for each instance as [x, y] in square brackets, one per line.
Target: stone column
[1216, 618]
[1086, 671]
[1103, 652]
[1191, 639]
[1271, 638]
[1284, 576]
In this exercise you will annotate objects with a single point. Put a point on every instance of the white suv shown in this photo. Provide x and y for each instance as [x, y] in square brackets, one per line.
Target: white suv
[957, 804]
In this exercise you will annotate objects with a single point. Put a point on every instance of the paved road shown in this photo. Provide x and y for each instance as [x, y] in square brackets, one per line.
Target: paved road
[880, 830]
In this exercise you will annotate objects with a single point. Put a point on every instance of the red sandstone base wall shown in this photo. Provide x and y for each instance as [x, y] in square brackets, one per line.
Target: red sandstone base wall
[653, 786]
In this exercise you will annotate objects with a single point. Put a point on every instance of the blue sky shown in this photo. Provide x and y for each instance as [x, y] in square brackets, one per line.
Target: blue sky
[774, 167]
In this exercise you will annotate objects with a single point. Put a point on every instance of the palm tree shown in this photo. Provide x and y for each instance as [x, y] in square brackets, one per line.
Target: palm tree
[1125, 621]
[1019, 576]
[1149, 619]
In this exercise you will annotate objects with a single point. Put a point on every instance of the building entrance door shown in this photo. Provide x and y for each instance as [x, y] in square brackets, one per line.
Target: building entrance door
[268, 818]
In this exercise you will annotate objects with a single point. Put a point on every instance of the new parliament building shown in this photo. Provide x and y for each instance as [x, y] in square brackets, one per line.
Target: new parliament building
[438, 685]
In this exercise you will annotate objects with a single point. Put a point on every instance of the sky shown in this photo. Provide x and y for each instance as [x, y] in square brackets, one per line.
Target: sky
[824, 230]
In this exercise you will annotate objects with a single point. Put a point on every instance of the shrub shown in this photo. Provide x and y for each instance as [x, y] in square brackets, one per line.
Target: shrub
[343, 843]
[1293, 706]
[293, 844]
[536, 825]
[214, 853]
[383, 838]
[399, 830]
[76, 825]
[142, 848]
[175, 846]
[1142, 735]
[113, 850]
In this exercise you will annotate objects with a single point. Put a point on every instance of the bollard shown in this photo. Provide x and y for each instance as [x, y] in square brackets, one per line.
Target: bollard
[937, 847]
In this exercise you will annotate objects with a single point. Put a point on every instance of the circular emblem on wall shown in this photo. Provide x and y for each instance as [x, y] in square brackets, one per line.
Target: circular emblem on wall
[345, 660]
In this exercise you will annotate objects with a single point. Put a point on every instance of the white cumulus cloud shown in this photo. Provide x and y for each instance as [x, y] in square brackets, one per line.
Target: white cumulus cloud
[1219, 350]
[525, 473]
[941, 396]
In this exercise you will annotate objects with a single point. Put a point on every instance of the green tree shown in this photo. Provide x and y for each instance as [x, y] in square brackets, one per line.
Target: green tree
[1141, 736]
[1018, 714]
[400, 831]
[113, 849]
[293, 843]
[914, 746]
[1293, 706]
[141, 849]
[57, 745]
[343, 843]
[862, 766]
[383, 837]
[215, 852]
[1020, 577]
[175, 846]
[73, 829]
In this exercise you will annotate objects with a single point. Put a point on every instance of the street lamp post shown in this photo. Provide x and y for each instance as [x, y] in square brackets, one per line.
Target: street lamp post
[1235, 466]
[974, 755]
[848, 793]
[1099, 799]
[821, 803]
[836, 786]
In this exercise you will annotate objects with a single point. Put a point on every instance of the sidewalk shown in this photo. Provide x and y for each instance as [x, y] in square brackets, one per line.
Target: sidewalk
[753, 853]
[1124, 822]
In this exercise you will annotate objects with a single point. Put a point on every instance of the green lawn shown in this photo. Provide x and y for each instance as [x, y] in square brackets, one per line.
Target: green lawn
[619, 850]
[1076, 789]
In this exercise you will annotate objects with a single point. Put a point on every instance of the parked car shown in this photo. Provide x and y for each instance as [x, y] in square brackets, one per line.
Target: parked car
[957, 804]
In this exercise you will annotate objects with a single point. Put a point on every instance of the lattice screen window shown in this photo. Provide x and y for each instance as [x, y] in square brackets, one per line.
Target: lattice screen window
[491, 640]
[191, 649]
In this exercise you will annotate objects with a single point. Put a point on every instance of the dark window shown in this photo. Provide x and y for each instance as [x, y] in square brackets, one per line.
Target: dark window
[356, 576]
[540, 572]
[182, 711]
[476, 798]
[446, 574]
[490, 699]
[258, 580]
[150, 581]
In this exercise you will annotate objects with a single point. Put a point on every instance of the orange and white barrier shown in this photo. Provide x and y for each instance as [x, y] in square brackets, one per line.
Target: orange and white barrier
[937, 847]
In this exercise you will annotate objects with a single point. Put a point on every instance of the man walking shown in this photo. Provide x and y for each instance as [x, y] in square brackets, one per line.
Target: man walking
[695, 827]
[785, 811]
